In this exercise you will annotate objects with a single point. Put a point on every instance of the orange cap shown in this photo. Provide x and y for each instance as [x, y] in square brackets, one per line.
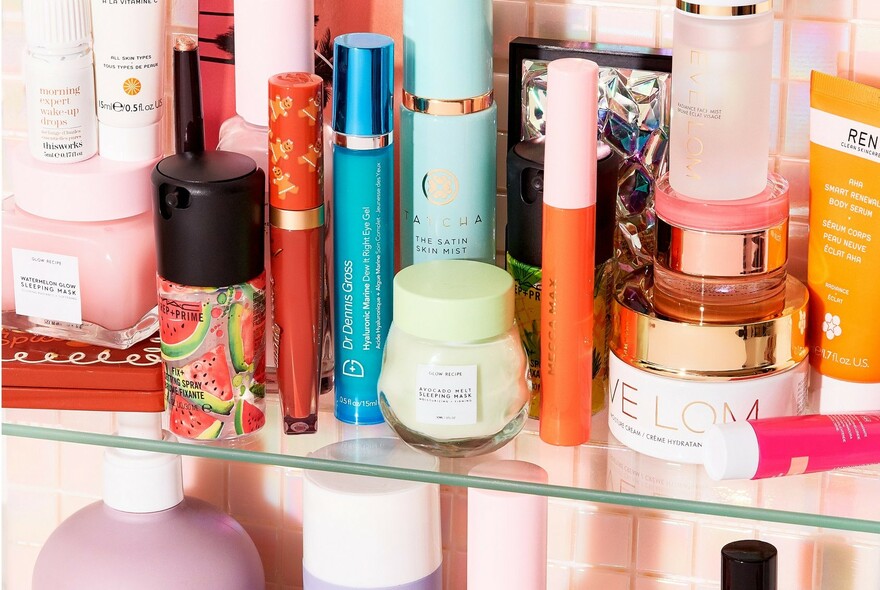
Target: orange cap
[296, 141]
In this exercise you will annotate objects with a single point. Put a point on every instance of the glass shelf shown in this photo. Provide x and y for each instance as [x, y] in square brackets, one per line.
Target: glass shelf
[602, 470]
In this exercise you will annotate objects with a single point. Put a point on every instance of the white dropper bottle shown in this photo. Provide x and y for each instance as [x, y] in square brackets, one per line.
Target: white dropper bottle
[59, 81]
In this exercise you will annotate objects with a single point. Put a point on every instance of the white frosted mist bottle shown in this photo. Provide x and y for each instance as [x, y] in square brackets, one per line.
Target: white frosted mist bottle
[720, 127]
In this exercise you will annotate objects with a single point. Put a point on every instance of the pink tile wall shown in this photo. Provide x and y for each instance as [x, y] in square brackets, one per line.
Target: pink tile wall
[591, 545]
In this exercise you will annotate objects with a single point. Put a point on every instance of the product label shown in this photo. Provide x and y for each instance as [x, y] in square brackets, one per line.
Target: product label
[448, 189]
[843, 248]
[61, 112]
[128, 66]
[667, 418]
[447, 394]
[213, 352]
[816, 443]
[364, 262]
[47, 286]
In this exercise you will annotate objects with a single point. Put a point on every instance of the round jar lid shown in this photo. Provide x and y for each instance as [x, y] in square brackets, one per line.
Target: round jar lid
[768, 209]
[453, 300]
[96, 189]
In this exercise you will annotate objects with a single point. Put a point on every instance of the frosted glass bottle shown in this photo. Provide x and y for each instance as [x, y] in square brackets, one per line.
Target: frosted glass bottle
[720, 127]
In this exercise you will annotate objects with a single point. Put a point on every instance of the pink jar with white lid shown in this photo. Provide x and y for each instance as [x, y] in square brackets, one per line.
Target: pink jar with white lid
[79, 254]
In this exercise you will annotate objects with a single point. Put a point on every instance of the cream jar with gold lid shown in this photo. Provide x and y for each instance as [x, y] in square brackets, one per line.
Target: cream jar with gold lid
[670, 380]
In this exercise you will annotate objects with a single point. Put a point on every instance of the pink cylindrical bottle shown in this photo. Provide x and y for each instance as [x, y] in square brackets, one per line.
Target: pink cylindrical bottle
[507, 532]
[274, 36]
[212, 292]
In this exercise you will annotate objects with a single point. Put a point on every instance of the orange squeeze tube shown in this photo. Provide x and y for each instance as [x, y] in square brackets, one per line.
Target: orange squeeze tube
[569, 235]
[844, 245]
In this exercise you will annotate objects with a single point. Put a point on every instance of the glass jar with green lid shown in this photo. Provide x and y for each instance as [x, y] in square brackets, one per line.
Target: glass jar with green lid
[453, 379]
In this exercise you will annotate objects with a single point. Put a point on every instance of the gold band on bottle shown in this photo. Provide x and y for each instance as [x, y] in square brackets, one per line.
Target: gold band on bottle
[704, 10]
[363, 142]
[711, 351]
[437, 106]
[296, 220]
[721, 254]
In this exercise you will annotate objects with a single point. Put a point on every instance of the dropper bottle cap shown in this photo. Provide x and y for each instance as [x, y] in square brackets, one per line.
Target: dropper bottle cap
[57, 27]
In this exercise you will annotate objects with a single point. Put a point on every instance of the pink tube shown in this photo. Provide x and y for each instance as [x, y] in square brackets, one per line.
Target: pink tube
[774, 447]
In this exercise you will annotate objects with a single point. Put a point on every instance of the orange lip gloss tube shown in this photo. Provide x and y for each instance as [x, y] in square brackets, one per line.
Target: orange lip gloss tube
[569, 235]
[296, 238]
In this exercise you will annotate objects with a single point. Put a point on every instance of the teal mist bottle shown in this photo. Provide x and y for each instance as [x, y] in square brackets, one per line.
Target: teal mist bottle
[363, 220]
[448, 132]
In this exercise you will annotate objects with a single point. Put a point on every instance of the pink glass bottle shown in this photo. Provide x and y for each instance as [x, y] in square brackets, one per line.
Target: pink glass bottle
[79, 251]
[272, 37]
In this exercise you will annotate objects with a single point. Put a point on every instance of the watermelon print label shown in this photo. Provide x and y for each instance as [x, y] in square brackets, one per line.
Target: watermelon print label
[213, 352]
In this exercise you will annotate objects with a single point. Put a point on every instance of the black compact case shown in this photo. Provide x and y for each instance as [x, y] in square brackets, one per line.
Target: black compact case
[626, 172]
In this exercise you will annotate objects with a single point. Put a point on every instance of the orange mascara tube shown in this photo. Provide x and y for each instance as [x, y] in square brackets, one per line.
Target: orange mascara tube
[569, 235]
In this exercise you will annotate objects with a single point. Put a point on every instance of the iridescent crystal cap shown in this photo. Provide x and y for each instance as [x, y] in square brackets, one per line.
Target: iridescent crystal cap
[363, 84]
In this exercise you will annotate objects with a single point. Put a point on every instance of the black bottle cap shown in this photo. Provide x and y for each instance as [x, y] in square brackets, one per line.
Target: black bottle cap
[209, 218]
[748, 565]
[525, 202]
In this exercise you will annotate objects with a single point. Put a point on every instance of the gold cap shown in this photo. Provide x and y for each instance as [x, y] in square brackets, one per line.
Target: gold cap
[711, 9]
[707, 351]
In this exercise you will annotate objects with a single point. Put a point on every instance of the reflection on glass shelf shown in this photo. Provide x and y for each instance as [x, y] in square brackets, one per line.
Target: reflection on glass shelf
[601, 471]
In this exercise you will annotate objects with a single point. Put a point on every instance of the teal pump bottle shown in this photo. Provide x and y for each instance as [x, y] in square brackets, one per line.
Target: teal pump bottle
[448, 132]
